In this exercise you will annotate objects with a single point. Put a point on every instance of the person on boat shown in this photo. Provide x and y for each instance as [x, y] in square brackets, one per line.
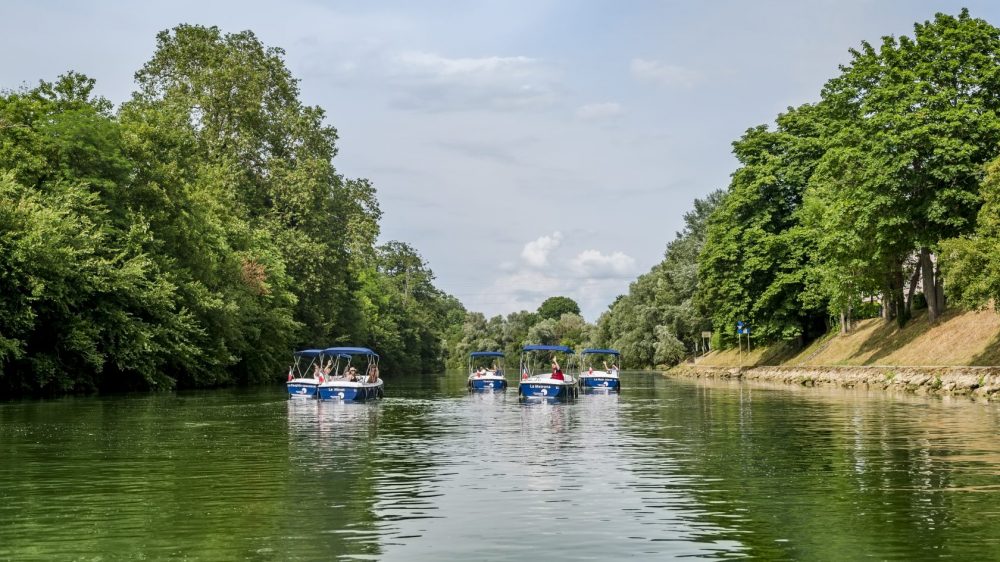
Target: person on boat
[328, 367]
[317, 371]
[352, 374]
[557, 373]
[372, 373]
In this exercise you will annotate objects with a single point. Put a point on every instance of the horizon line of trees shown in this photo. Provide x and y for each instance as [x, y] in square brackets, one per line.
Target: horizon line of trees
[195, 235]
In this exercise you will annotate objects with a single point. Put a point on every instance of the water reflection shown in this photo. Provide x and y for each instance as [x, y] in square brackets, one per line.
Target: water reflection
[663, 470]
[828, 474]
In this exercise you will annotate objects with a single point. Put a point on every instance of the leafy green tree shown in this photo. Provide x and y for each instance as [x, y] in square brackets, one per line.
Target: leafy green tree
[972, 262]
[572, 330]
[543, 333]
[554, 307]
[197, 236]
[924, 112]
[218, 117]
[83, 305]
[755, 263]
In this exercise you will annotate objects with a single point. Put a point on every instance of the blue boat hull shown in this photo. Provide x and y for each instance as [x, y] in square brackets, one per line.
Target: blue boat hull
[530, 389]
[298, 390]
[350, 393]
[600, 383]
[487, 385]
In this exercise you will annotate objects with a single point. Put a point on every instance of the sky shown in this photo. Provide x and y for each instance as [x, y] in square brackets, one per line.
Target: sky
[527, 149]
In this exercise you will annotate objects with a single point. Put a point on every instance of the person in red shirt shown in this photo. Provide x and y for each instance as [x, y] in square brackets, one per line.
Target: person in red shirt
[557, 373]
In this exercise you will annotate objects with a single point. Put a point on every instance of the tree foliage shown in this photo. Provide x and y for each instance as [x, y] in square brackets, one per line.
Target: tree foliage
[195, 236]
[848, 198]
[554, 307]
[972, 262]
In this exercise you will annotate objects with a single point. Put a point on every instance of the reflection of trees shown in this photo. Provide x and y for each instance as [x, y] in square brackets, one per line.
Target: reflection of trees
[824, 475]
[221, 475]
[404, 471]
[331, 452]
[156, 476]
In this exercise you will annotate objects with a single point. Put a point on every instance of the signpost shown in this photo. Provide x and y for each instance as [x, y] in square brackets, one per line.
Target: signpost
[739, 339]
[741, 329]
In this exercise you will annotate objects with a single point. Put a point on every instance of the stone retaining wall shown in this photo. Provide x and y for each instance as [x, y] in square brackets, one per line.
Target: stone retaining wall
[977, 382]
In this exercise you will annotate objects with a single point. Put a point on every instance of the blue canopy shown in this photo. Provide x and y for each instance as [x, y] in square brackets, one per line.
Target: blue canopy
[308, 353]
[486, 354]
[608, 351]
[349, 351]
[562, 348]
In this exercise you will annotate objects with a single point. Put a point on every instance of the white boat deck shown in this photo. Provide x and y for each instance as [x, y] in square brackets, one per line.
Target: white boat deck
[599, 374]
[547, 379]
[489, 376]
[338, 382]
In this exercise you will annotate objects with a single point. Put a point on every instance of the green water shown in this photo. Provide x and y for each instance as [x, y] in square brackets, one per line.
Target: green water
[666, 469]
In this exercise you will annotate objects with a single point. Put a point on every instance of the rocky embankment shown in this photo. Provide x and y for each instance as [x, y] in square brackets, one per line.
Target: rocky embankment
[976, 382]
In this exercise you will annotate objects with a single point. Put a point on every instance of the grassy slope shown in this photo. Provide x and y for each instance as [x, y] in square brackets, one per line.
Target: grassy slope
[959, 338]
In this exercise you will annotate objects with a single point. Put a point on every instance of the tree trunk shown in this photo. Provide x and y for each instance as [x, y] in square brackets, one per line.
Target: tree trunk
[843, 323]
[898, 302]
[930, 292]
[938, 286]
[912, 290]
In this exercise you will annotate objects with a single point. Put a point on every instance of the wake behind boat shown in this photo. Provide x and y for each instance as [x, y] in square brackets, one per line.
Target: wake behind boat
[487, 379]
[599, 379]
[343, 381]
[535, 383]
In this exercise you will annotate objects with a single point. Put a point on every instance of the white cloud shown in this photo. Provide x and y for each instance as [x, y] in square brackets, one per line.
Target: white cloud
[536, 252]
[596, 111]
[527, 289]
[435, 65]
[429, 81]
[594, 264]
[662, 73]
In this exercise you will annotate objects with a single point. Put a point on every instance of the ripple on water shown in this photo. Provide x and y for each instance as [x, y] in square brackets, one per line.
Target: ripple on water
[665, 469]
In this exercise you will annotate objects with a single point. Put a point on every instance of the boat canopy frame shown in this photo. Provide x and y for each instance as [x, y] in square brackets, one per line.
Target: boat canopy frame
[588, 354]
[347, 353]
[500, 366]
[526, 363]
[300, 356]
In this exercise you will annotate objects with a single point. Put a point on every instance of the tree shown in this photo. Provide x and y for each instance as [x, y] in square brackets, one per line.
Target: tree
[972, 262]
[197, 236]
[82, 304]
[924, 111]
[554, 307]
[754, 266]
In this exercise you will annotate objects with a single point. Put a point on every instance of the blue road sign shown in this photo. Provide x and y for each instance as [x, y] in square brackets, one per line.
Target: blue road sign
[739, 325]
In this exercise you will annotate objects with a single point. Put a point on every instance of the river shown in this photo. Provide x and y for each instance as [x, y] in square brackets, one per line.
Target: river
[667, 469]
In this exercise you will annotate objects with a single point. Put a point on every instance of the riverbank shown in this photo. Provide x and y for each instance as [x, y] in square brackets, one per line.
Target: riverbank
[975, 382]
[958, 338]
[958, 355]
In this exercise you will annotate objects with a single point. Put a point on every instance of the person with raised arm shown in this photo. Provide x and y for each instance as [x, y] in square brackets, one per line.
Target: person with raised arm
[557, 373]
